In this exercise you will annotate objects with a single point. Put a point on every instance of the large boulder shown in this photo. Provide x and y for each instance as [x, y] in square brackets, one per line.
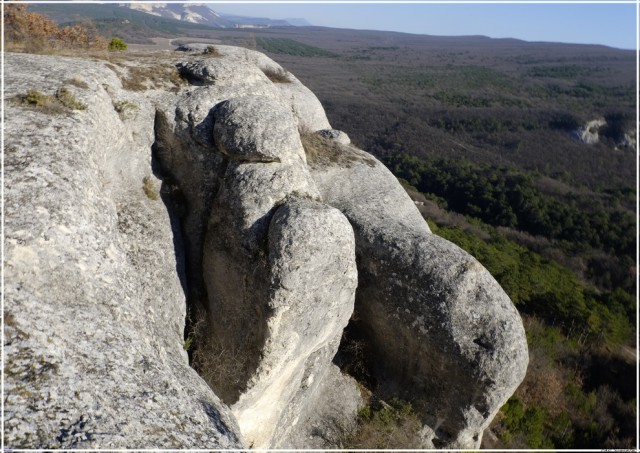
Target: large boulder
[231, 143]
[311, 294]
[279, 269]
[185, 148]
[445, 335]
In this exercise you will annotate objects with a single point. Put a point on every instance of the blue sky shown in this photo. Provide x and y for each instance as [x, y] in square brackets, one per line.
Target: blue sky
[609, 24]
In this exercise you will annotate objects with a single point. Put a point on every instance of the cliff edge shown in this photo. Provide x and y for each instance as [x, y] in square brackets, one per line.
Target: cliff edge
[187, 239]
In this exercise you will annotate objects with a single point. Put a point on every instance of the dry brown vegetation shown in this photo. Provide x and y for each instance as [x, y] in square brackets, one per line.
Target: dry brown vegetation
[277, 75]
[35, 33]
[385, 426]
[154, 76]
[221, 365]
[325, 151]
[141, 71]
[212, 52]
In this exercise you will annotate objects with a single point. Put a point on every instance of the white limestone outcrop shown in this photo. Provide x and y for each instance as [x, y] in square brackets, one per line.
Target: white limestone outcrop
[202, 199]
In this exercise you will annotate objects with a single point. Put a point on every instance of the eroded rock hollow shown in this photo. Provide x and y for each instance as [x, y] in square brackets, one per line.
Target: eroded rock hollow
[270, 231]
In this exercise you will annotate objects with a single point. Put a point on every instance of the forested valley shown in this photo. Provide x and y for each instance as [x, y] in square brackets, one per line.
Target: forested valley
[485, 136]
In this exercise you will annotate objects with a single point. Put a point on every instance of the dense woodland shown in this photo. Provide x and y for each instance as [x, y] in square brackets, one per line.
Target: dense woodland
[481, 133]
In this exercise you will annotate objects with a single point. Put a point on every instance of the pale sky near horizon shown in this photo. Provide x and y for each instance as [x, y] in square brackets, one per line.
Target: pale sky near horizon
[610, 24]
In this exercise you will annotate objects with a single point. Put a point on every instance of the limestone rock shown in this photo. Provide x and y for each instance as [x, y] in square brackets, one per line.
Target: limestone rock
[243, 72]
[321, 413]
[94, 304]
[447, 336]
[223, 72]
[305, 104]
[205, 196]
[193, 47]
[313, 280]
[256, 129]
[589, 134]
[283, 303]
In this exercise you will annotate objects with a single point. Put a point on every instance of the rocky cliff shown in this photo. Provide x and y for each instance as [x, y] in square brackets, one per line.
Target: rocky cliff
[186, 240]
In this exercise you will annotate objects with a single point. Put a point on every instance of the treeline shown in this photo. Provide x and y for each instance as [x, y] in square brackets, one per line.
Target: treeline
[288, 46]
[548, 290]
[505, 197]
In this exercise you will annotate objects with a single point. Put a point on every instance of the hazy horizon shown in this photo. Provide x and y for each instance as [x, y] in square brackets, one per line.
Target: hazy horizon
[612, 24]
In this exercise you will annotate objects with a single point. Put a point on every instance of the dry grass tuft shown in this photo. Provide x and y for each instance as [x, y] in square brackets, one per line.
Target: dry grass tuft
[152, 77]
[125, 109]
[211, 51]
[277, 75]
[78, 82]
[328, 152]
[149, 189]
[61, 102]
[66, 98]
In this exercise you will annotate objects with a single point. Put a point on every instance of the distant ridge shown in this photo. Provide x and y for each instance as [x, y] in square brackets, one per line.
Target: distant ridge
[200, 13]
[197, 13]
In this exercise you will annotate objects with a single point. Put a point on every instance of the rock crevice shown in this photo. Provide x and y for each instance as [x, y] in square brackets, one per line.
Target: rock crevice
[273, 228]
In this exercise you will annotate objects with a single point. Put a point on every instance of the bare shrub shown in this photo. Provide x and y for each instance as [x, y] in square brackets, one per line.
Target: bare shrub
[544, 384]
[223, 366]
[386, 426]
[35, 33]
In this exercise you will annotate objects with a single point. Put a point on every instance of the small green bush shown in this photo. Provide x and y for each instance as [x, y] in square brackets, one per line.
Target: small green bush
[61, 102]
[117, 44]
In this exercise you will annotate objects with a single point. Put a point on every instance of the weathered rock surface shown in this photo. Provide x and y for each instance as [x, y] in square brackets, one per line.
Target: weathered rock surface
[311, 294]
[236, 122]
[283, 302]
[247, 224]
[256, 129]
[94, 307]
[446, 335]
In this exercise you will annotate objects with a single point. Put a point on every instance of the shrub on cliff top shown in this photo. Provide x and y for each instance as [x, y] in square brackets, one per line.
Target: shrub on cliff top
[32, 32]
[117, 44]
